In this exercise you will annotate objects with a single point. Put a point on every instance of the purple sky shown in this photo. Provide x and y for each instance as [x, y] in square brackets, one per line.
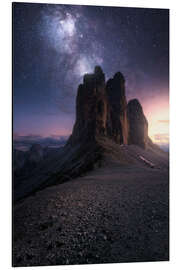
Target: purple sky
[54, 45]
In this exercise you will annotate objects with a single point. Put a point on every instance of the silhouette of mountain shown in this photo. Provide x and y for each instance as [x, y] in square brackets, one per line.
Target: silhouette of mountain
[107, 130]
[116, 210]
[102, 110]
[24, 143]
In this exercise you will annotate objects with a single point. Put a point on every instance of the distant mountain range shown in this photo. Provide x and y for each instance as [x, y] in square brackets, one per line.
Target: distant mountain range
[164, 146]
[108, 131]
[24, 143]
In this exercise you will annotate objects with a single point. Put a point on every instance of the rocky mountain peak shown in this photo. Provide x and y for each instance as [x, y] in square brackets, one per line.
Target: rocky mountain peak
[91, 108]
[95, 79]
[138, 125]
[117, 123]
[107, 130]
[102, 110]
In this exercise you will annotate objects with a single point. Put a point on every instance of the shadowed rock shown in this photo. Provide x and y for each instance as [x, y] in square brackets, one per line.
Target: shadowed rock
[35, 153]
[91, 108]
[117, 124]
[138, 125]
[101, 109]
[104, 127]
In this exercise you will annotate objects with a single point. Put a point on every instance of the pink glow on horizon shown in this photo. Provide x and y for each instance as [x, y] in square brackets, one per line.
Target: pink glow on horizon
[156, 110]
[157, 113]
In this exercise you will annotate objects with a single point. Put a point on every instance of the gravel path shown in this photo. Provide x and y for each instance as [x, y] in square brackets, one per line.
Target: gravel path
[112, 215]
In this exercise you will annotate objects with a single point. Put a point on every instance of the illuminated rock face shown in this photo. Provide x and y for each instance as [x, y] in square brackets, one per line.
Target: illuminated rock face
[102, 110]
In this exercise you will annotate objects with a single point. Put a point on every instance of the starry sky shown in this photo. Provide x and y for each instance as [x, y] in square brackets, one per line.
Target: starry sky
[54, 45]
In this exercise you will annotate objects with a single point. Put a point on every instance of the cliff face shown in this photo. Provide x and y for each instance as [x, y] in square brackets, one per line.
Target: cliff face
[105, 125]
[91, 108]
[117, 123]
[102, 110]
[138, 125]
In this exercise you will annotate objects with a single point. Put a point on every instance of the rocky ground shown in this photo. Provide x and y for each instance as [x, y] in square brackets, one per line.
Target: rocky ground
[114, 214]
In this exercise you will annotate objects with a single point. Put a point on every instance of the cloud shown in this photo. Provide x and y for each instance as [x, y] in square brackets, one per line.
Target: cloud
[162, 137]
[163, 121]
[30, 137]
[27, 141]
[162, 140]
[164, 146]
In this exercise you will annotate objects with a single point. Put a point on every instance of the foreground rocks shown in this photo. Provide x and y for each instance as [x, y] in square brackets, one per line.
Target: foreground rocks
[103, 197]
[103, 118]
[111, 215]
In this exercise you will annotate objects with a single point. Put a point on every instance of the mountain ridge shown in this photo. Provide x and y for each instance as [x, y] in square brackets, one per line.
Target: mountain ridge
[107, 130]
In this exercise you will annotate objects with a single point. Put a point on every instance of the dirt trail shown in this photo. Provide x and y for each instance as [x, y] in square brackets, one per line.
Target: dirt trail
[111, 215]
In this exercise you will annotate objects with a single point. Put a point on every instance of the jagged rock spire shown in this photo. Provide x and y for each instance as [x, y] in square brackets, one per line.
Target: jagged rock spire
[102, 110]
[103, 120]
[138, 125]
[117, 124]
[91, 108]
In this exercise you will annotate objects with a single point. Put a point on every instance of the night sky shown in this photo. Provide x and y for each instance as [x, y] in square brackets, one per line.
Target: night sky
[54, 45]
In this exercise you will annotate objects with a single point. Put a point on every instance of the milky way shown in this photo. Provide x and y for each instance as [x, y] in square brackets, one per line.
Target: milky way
[54, 45]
